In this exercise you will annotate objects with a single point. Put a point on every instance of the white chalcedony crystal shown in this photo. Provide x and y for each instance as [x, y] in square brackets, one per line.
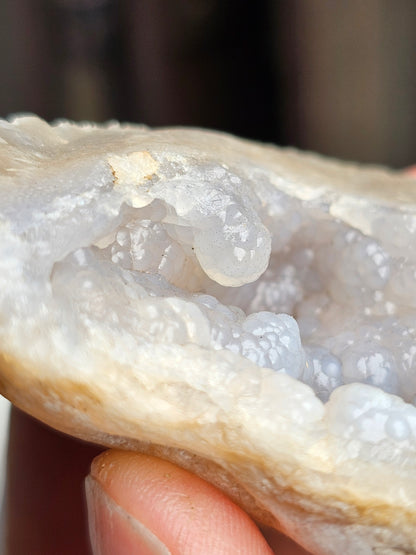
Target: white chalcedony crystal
[249, 311]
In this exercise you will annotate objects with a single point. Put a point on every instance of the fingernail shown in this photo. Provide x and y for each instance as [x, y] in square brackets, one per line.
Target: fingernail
[113, 531]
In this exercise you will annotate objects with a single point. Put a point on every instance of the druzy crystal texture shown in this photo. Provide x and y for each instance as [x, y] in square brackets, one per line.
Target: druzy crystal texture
[246, 311]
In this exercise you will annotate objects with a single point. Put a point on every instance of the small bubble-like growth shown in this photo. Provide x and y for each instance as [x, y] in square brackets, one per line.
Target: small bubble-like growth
[370, 363]
[269, 340]
[323, 371]
[231, 243]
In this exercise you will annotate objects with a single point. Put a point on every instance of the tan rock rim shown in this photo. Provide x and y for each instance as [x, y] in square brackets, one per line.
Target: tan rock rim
[77, 399]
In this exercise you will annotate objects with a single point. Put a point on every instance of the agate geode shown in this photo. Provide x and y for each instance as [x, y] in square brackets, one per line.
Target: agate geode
[245, 311]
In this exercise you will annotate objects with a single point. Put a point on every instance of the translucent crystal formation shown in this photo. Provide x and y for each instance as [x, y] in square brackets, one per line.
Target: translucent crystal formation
[219, 297]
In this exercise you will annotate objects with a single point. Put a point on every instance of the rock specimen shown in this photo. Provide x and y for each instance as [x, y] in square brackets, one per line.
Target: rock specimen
[245, 311]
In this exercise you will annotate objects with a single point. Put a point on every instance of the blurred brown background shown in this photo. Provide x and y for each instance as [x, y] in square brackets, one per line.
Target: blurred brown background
[337, 77]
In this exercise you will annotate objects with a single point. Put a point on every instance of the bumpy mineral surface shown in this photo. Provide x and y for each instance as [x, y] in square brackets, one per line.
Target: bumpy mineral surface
[246, 311]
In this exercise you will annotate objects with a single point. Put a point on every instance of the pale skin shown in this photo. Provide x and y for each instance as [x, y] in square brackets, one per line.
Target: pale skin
[137, 504]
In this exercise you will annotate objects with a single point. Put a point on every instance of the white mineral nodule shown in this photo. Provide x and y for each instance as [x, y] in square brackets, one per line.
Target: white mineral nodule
[245, 311]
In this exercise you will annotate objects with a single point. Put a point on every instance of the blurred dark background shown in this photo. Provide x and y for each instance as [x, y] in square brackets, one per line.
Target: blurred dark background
[337, 77]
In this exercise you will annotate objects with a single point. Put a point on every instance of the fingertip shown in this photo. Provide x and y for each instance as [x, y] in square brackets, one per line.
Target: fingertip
[130, 494]
[113, 531]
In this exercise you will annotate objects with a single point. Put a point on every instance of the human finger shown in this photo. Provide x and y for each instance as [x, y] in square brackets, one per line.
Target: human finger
[145, 505]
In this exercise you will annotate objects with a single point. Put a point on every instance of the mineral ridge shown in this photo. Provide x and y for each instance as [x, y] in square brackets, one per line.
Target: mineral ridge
[246, 311]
